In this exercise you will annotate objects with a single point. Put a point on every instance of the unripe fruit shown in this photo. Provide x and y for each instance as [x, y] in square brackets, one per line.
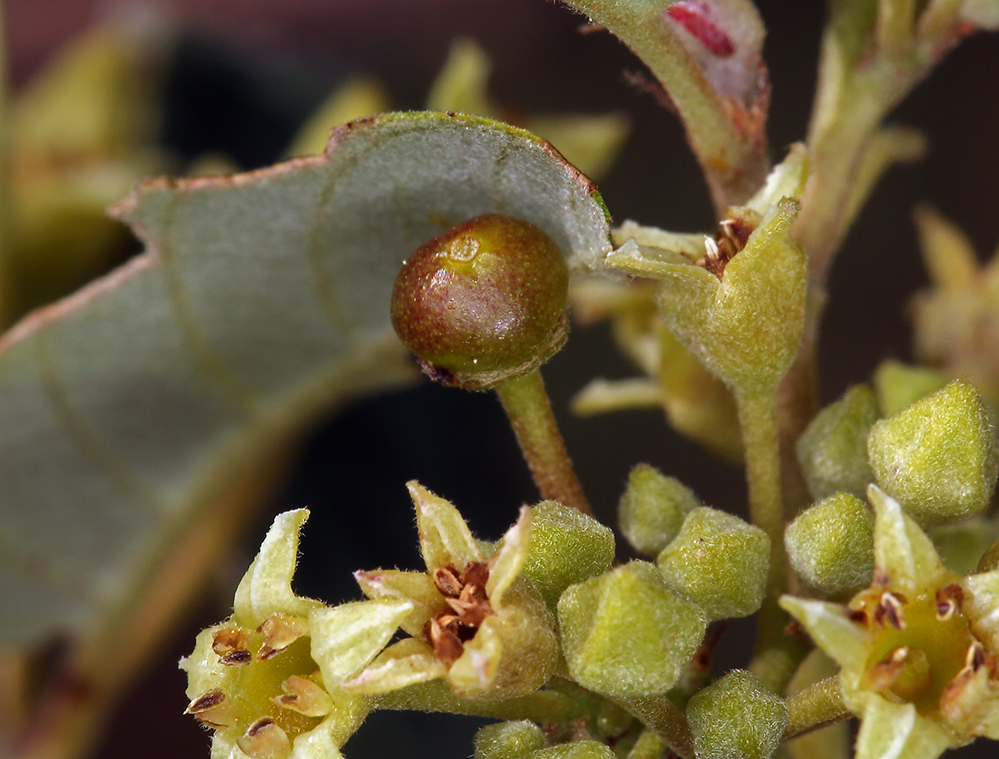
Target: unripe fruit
[483, 302]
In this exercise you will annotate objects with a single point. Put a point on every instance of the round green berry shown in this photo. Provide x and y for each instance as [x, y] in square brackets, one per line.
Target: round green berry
[483, 302]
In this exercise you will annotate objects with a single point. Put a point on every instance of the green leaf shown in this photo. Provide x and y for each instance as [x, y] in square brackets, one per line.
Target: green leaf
[132, 413]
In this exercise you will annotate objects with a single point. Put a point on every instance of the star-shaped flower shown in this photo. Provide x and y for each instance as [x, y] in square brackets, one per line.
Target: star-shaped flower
[917, 649]
[475, 620]
[268, 680]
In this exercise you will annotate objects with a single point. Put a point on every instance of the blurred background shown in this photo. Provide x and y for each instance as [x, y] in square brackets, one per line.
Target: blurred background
[233, 81]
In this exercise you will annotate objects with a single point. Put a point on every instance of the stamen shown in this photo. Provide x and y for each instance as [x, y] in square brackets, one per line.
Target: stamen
[978, 657]
[231, 644]
[237, 658]
[212, 710]
[886, 672]
[447, 582]
[280, 632]
[205, 701]
[305, 697]
[472, 606]
[858, 616]
[442, 634]
[264, 740]
[948, 599]
[889, 609]
[476, 573]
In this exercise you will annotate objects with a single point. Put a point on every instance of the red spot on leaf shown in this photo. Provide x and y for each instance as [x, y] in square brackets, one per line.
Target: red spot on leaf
[695, 17]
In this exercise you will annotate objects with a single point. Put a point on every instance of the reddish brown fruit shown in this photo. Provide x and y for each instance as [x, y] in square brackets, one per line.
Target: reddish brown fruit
[483, 302]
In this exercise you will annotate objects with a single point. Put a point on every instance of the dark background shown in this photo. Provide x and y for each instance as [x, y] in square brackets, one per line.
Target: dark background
[244, 76]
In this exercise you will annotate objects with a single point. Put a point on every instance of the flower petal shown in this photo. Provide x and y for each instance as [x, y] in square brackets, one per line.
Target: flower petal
[445, 539]
[476, 668]
[901, 548]
[265, 589]
[897, 731]
[509, 561]
[835, 633]
[346, 638]
[407, 662]
[416, 587]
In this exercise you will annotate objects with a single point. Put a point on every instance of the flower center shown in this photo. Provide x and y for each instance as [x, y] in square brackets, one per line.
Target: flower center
[275, 691]
[465, 595]
[921, 644]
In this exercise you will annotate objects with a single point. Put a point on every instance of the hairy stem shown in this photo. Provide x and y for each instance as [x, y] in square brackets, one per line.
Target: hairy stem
[669, 723]
[772, 660]
[816, 706]
[758, 422]
[527, 406]
[548, 705]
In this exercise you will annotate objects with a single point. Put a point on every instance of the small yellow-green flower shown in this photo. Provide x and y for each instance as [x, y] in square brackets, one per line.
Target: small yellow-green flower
[475, 621]
[736, 301]
[268, 680]
[917, 649]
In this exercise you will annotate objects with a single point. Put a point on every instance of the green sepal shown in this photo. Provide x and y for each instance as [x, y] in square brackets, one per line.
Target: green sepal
[415, 587]
[831, 545]
[346, 638]
[265, 589]
[567, 547]
[509, 740]
[903, 553]
[832, 451]
[626, 633]
[652, 509]
[719, 562]
[736, 717]
[445, 540]
[937, 457]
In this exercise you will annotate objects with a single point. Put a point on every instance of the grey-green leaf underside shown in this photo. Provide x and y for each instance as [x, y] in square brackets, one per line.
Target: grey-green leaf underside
[129, 411]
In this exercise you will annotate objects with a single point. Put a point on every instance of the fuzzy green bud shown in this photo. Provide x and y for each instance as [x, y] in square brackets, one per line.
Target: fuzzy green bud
[652, 509]
[626, 633]
[567, 547]
[736, 718]
[831, 545]
[719, 562]
[937, 457]
[833, 450]
[575, 750]
[899, 384]
[508, 740]
[483, 302]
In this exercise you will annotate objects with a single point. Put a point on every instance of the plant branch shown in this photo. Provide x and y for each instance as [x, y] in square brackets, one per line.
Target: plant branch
[527, 406]
[816, 706]
[660, 714]
[549, 705]
[775, 655]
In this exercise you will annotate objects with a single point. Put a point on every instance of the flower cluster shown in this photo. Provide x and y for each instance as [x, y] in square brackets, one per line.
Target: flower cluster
[288, 677]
